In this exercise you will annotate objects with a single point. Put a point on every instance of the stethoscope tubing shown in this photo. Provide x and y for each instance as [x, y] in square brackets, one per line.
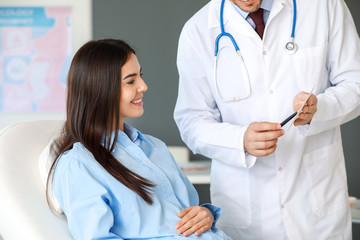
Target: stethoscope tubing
[294, 20]
[223, 33]
[290, 48]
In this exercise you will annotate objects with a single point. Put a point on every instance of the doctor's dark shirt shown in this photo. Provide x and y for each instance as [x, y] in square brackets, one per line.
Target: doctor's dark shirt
[98, 206]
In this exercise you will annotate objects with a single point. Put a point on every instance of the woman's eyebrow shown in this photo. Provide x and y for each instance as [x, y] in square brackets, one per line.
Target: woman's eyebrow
[130, 75]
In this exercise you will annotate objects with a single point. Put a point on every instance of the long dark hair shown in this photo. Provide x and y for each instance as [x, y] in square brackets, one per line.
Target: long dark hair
[92, 109]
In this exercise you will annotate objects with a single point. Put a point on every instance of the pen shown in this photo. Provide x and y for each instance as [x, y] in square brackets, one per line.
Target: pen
[288, 119]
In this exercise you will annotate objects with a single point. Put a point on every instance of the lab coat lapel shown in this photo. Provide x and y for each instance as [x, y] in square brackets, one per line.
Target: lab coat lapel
[234, 23]
[214, 14]
[237, 24]
[277, 7]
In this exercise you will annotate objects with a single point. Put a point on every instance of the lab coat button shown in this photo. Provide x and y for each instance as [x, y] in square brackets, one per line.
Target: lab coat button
[271, 91]
[280, 168]
[264, 52]
[282, 206]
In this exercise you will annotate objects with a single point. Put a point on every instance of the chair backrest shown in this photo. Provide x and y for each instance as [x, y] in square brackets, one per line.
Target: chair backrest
[24, 213]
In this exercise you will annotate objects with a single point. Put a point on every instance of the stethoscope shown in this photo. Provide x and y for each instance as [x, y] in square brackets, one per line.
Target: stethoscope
[290, 48]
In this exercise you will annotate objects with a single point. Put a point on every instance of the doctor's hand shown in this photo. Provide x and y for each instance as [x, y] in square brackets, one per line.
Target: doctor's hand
[194, 219]
[260, 138]
[309, 109]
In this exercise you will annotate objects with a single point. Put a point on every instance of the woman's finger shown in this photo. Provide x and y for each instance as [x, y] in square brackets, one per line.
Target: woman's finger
[197, 219]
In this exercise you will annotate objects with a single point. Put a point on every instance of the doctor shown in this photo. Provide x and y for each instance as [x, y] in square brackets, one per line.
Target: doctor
[272, 182]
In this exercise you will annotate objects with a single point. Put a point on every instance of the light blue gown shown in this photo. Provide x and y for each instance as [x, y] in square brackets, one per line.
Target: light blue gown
[98, 206]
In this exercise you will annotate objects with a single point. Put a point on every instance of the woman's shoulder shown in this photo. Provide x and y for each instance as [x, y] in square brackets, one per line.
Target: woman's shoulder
[155, 141]
[75, 158]
[145, 137]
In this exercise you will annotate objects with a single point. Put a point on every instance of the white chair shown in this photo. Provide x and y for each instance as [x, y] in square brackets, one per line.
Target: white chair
[24, 213]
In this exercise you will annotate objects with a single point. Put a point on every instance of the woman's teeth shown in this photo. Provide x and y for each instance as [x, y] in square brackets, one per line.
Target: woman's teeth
[137, 101]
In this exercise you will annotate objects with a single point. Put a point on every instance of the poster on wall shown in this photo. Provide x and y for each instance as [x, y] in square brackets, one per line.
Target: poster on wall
[35, 55]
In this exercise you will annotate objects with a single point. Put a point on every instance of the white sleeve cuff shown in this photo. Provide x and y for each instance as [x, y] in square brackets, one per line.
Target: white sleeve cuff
[304, 129]
[249, 160]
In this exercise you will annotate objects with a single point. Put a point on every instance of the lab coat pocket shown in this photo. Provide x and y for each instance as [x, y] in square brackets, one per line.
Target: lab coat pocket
[230, 191]
[325, 169]
[310, 68]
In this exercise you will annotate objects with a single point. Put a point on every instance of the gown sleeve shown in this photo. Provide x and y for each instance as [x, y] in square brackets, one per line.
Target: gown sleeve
[194, 197]
[84, 200]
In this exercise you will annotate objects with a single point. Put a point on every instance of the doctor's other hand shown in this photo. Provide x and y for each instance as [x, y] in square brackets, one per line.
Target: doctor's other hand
[260, 138]
[194, 219]
[309, 109]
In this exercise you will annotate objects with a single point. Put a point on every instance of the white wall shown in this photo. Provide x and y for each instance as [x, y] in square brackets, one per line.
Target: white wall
[82, 32]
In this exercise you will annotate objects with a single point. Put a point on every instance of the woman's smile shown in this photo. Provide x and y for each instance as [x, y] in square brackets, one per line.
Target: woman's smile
[138, 102]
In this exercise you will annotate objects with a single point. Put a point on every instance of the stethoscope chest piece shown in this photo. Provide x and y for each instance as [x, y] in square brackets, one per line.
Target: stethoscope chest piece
[291, 47]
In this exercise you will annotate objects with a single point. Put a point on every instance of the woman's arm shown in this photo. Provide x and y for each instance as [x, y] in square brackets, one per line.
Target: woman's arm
[195, 219]
[84, 200]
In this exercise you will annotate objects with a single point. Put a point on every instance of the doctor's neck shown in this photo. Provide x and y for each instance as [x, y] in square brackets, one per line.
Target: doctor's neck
[248, 5]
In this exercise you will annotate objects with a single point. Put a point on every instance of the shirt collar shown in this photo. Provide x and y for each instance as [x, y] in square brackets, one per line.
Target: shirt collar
[265, 4]
[133, 134]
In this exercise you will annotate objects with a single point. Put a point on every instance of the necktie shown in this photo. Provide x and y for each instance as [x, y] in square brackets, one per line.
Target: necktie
[258, 19]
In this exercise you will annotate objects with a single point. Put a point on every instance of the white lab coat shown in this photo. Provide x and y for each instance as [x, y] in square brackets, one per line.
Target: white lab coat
[300, 191]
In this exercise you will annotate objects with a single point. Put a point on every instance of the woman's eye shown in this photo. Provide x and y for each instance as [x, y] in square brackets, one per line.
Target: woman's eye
[141, 74]
[131, 82]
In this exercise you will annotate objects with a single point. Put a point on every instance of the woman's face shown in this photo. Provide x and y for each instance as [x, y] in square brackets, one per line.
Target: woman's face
[132, 89]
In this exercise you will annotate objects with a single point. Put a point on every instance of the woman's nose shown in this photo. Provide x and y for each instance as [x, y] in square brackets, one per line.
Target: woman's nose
[142, 87]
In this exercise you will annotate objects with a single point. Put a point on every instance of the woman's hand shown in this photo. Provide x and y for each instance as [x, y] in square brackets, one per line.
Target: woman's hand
[195, 219]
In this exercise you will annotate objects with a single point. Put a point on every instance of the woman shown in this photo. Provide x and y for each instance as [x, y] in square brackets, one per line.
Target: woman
[111, 181]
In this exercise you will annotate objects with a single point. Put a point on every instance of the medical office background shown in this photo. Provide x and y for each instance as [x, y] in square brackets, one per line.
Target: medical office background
[152, 27]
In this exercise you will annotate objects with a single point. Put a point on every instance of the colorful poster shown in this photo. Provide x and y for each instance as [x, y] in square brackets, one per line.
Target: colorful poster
[35, 54]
